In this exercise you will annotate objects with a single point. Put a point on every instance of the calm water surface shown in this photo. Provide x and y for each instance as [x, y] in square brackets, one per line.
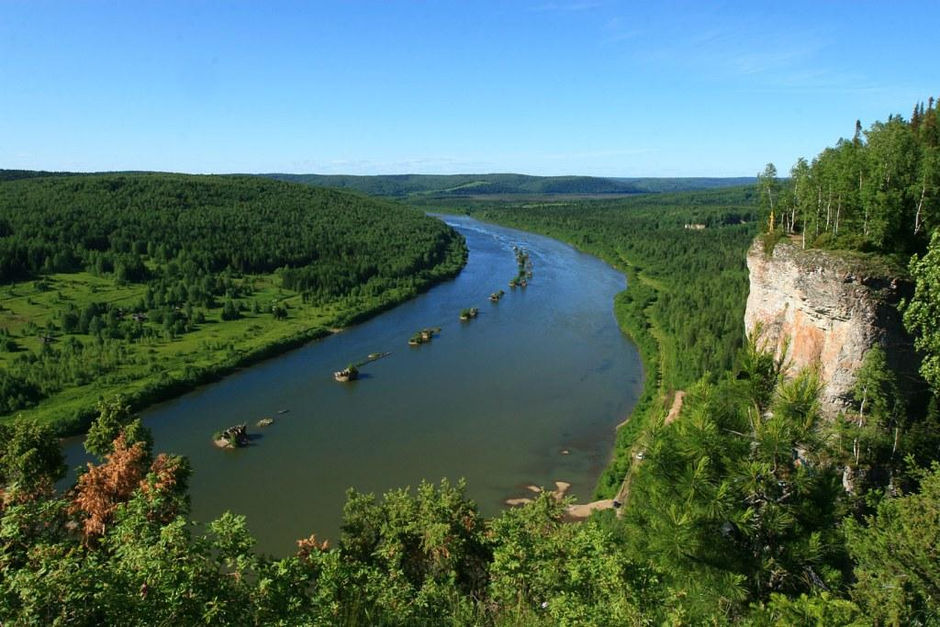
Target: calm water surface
[495, 400]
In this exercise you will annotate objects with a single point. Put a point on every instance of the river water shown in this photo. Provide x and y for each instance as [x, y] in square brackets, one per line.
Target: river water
[527, 393]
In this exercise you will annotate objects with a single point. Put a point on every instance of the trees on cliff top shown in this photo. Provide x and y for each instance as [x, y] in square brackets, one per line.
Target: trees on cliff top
[878, 191]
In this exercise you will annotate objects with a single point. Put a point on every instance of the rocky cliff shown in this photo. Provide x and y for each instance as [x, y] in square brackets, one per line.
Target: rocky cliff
[826, 310]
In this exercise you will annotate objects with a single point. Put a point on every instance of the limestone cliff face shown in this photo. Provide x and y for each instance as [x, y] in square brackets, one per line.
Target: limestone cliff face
[827, 312]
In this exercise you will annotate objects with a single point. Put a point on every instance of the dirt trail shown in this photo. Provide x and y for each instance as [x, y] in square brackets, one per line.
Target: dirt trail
[676, 406]
[623, 496]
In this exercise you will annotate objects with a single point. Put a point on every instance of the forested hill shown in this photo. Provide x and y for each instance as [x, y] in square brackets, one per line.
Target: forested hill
[147, 283]
[458, 185]
[14, 175]
[244, 224]
[462, 185]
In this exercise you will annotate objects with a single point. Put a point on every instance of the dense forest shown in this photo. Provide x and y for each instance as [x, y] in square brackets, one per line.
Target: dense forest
[878, 191]
[736, 512]
[417, 186]
[110, 279]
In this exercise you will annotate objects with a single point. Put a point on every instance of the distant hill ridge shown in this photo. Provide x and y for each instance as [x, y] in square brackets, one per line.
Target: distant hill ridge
[462, 185]
[402, 185]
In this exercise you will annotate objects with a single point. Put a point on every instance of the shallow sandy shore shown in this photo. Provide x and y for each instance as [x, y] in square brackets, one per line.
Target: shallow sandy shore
[561, 489]
[582, 511]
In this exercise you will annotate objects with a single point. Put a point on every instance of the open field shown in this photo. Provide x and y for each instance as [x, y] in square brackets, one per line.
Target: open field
[161, 361]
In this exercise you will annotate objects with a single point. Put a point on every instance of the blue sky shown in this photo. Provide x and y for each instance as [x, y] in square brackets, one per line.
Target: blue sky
[542, 87]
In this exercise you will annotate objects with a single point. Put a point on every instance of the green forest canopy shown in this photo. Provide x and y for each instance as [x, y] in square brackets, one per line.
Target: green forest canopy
[878, 191]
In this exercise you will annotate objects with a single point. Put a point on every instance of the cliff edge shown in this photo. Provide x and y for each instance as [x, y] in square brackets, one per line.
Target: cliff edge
[827, 310]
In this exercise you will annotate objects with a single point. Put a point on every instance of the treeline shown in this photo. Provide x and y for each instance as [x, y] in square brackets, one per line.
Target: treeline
[417, 186]
[878, 191]
[193, 226]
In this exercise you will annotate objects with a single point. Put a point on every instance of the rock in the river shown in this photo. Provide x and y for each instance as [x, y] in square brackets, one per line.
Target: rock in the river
[234, 437]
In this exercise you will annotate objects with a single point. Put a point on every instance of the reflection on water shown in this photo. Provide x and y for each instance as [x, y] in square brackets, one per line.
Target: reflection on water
[495, 400]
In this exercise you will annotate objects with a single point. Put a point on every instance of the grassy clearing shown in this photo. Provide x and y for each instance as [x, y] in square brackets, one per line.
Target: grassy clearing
[156, 368]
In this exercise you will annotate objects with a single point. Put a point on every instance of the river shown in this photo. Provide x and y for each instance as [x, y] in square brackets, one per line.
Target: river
[529, 392]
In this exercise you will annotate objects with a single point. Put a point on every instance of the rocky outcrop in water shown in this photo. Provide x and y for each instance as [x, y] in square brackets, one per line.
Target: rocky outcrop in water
[827, 309]
[234, 437]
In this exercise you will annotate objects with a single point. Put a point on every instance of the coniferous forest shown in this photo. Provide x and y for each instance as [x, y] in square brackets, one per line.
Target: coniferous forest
[735, 510]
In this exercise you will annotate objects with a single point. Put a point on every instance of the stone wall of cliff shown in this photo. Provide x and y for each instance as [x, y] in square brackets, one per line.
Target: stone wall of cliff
[827, 310]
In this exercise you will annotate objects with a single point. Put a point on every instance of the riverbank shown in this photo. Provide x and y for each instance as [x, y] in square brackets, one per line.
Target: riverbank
[632, 310]
[683, 312]
[492, 401]
[159, 370]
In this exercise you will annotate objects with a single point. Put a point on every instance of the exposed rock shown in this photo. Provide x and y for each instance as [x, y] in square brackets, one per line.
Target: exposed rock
[346, 374]
[234, 437]
[827, 310]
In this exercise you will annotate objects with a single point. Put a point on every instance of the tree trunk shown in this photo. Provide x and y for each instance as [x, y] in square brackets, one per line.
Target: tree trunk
[818, 207]
[920, 206]
[835, 230]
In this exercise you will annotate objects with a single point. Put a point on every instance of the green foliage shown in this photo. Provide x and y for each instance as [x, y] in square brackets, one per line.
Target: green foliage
[769, 240]
[876, 389]
[569, 574]
[769, 189]
[819, 609]
[879, 191]
[922, 313]
[897, 555]
[30, 457]
[229, 311]
[413, 553]
[733, 501]
[114, 418]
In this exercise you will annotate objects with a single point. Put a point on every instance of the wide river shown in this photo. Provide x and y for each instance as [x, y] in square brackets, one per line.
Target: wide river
[529, 392]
